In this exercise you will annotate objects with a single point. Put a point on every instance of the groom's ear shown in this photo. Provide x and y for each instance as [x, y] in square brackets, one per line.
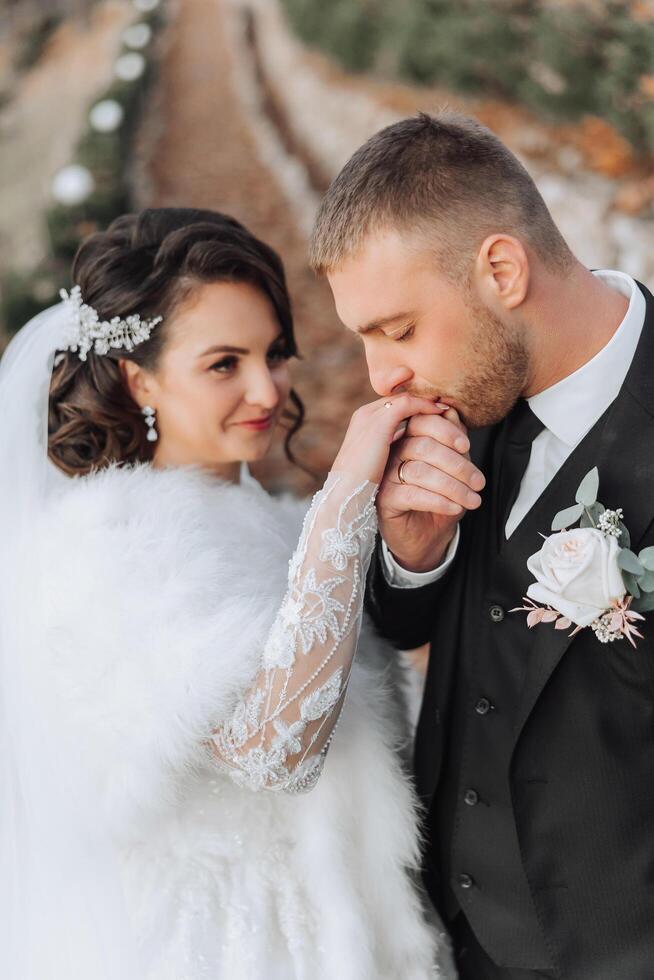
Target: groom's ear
[502, 272]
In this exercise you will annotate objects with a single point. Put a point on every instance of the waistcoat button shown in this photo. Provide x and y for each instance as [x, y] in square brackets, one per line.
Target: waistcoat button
[496, 613]
[471, 797]
[466, 881]
[483, 706]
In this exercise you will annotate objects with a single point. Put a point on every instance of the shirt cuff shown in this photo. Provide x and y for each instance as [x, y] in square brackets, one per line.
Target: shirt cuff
[402, 578]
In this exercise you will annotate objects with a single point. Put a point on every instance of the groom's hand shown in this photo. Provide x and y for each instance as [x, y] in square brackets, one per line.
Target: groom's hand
[418, 517]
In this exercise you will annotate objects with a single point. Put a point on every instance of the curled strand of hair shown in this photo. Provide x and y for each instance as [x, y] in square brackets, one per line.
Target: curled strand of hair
[296, 420]
[92, 422]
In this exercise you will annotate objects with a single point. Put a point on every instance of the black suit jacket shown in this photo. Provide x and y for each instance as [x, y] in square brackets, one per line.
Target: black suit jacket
[582, 766]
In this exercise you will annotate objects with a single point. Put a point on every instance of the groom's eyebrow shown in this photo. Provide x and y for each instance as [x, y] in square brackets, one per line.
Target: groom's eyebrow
[382, 322]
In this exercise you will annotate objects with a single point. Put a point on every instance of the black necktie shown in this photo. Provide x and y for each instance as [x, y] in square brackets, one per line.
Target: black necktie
[522, 427]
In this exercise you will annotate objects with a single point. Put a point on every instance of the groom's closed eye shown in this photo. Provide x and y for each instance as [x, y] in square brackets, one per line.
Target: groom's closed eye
[386, 321]
[405, 334]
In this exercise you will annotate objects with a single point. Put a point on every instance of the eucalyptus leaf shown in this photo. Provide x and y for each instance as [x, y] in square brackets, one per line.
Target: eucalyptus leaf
[646, 582]
[591, 515]
[588, 488]
[644, 604]
[631, 584]
[646, 558]
[625, 538]
[628, 561]
[567, 517]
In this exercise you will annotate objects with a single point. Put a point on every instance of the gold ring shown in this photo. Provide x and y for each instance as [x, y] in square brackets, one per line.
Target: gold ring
[399, 471]
[388, 404]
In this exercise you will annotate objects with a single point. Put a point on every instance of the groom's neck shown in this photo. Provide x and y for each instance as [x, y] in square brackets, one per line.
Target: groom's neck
[569, 321]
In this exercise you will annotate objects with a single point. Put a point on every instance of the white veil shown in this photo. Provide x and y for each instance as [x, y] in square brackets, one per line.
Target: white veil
[62, 914]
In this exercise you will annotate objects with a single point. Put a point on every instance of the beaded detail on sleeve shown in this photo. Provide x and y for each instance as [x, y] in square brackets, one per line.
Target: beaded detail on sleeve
[278, 736]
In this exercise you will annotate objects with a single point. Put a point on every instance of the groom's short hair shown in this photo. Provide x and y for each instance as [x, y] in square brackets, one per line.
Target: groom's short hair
[445, 176]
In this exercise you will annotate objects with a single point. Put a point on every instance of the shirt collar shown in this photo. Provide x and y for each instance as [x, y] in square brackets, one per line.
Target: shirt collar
[571, 407]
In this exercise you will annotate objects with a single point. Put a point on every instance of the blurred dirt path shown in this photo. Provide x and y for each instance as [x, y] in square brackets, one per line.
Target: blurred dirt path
[42, 122]
[204, 155]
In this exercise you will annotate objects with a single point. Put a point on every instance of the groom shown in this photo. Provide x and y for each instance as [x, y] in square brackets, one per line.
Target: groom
[535, 750]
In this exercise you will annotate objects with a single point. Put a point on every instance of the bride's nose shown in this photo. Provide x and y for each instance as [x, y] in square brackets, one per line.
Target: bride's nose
[261, 389]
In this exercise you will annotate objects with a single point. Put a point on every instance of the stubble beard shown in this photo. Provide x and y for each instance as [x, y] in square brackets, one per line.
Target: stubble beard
[494, 375]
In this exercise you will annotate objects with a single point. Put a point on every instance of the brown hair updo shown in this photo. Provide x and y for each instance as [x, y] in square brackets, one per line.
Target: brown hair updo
[148, 263]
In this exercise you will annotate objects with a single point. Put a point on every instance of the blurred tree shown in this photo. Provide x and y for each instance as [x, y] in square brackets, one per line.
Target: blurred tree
[350, 31]
[565, 58]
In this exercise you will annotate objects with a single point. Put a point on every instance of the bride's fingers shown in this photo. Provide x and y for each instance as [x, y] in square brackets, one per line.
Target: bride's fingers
[405, 405]
[372, 429]
[389, 417]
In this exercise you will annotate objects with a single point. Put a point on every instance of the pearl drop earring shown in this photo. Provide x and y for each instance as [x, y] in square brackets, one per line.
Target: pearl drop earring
[149, 415]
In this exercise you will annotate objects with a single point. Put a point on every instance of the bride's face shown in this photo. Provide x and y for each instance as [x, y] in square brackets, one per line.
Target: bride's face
[222, 380]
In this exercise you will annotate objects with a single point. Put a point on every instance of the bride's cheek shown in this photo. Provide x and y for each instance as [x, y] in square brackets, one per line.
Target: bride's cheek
[283, 383]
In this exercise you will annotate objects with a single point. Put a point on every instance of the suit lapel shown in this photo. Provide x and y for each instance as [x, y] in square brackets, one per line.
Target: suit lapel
[621, 444]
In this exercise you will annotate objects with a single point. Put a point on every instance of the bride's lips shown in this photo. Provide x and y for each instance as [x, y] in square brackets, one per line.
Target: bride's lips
[258, 425]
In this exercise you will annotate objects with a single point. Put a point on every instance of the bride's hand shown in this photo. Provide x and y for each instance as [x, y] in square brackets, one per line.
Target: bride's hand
[372, 431]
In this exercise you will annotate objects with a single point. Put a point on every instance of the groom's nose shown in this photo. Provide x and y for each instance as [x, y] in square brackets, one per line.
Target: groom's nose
[386, 377]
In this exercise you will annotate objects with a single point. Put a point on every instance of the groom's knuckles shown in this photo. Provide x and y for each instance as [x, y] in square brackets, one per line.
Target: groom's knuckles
[420, 447]
[435, 454]
[427, 501]
[396, 498]
[440, 429]
[436, 481]
[448, 486]
[430, 450]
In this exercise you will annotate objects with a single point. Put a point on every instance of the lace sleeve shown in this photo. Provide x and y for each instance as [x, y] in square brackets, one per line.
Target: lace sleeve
[278, 736]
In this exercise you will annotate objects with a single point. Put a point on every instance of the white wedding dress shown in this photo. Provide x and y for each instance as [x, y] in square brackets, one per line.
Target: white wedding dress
[195, 814]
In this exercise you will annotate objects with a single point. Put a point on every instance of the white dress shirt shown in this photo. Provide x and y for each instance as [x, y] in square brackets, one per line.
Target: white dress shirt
[568, 410]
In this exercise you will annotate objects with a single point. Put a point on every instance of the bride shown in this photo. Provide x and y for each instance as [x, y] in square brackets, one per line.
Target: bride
[196, 781]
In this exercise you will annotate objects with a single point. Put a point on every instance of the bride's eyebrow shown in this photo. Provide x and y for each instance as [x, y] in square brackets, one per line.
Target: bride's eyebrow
[228, 349]
[224, 349]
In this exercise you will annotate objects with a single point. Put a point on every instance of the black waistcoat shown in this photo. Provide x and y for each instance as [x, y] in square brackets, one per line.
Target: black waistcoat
[472, 815]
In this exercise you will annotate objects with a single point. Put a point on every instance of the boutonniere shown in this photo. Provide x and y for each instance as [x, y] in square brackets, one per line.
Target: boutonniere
[587, 576]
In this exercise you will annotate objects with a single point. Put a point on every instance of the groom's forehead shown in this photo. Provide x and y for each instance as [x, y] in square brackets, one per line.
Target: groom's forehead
[365, 302]
[376, 284]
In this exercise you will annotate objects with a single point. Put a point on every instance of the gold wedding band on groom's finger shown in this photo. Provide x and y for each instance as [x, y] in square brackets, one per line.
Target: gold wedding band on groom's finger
[399, 471]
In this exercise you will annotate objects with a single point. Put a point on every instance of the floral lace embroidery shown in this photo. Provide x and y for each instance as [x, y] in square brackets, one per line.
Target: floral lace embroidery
[323, 698]
[339, 545]
[278, 736]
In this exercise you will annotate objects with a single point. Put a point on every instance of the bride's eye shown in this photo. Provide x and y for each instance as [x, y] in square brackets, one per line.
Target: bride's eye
[409, 332]
[225, 365]
[277, 355]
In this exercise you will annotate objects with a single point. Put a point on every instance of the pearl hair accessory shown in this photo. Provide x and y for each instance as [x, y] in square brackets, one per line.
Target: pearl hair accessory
[149, 415]
[88, 332]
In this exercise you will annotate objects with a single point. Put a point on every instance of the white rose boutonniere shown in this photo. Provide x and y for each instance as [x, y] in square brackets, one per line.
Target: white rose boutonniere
[577, 573]
[587, 576]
